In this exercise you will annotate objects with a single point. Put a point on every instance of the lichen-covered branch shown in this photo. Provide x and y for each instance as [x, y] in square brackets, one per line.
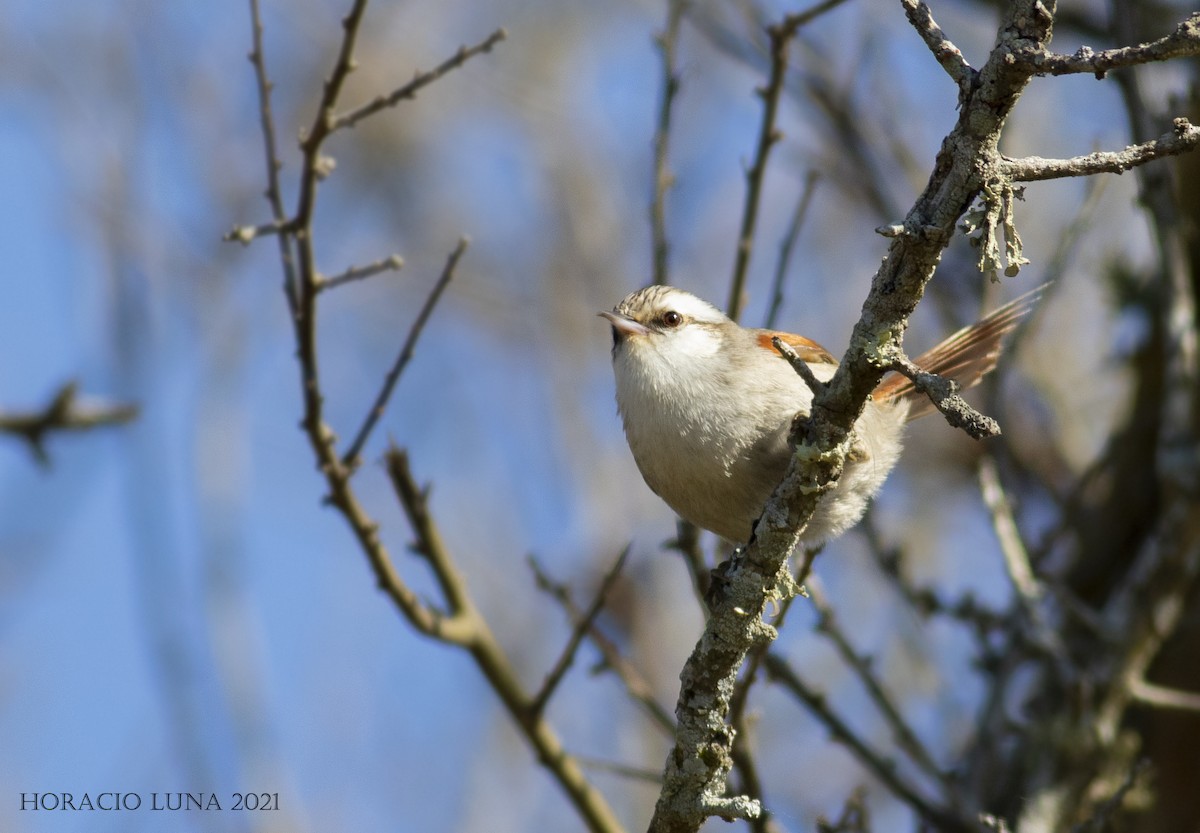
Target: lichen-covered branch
[1183, 42]
[1183, 138]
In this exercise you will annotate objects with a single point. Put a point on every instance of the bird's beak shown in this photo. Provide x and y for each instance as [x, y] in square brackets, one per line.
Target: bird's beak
[623, 325]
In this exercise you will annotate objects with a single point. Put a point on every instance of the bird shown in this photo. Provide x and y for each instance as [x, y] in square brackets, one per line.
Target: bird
[707, 406]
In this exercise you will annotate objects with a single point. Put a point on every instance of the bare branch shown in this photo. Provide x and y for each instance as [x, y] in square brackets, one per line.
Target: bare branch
[358, 273]
[635, 684]
[1016, 559]
[493, 662]
[624, 770]
[883, 768]
[786, 247]
[863, 667]
[663, 179]
[1183, 42]
[350, 458]
[943, 393]
[583, 624]
[780, 35]
[798, 364]
[1185, 137]
[270, 148]
[62, 413]
[948, 55]
[418, 83]
[248, 234]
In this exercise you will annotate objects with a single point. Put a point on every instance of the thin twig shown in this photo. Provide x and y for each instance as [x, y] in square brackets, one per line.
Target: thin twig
[635, 684]
[863, 667]
[795, 224]
[663, 178]
[350, 458]
[419, 82]
[583, 624]
[624, 770]
[943, 393]
[780, 35]
[883, 768]
[489, 656]
[271, 149]
[248, 234]
[358, 273]
[798, 364]
[1012, 547]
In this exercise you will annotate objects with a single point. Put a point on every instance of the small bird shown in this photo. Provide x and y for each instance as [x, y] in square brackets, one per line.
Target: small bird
[708, 404]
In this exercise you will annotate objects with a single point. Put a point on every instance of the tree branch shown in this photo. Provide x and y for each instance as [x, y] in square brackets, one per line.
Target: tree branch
[1183, 42]
[1183, 138]
[62, 413]
[948, 56]
[419, 82]
[667, 43]
[357, 273]
[780, 36]
[350, 459]
[583, 624]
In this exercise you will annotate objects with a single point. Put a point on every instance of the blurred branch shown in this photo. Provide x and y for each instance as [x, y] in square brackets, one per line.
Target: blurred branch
[582, 625]
[490, 657]
[1163, 697]
[62, 413]
[271, 150]
[863, 668]
[635, 684]
[420, 81]
[882, 768]
[780, 36]
[350, 459]
[788, 244]
[667, 43]
[391, 263]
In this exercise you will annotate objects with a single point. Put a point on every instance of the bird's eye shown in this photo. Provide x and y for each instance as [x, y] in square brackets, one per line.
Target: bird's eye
[671, 318]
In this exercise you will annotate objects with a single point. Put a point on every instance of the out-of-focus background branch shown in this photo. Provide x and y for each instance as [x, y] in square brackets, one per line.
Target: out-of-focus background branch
[181, 614]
